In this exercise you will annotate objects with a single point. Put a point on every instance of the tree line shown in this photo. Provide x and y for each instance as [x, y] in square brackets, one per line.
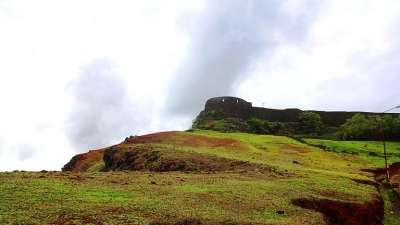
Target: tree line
[359, 127]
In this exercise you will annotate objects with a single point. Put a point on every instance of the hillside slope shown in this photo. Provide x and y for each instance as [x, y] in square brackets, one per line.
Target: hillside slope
[278, 179]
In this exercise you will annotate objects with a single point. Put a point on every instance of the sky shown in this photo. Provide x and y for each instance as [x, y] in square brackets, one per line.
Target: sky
[83, 75]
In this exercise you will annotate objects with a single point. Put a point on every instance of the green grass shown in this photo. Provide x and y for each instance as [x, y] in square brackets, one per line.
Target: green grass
[131, 197]
[254, 196]
[363, 149]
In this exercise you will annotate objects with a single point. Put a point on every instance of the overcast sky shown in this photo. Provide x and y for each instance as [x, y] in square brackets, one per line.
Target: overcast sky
[82, 75]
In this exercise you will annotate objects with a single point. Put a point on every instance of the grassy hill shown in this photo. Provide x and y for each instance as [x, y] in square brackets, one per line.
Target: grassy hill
[206, 177]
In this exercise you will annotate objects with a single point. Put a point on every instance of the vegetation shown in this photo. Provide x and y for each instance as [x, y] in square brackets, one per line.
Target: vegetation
[254, 179]
[370, 151]
[357, 128]
[259, 126]
[310, 122]
[211, 121]
[362, 128]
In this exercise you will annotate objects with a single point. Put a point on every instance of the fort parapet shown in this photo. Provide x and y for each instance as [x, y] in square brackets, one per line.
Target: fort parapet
[232, 107]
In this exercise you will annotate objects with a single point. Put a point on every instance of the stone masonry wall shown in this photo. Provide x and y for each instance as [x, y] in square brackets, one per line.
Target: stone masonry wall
[229, 107]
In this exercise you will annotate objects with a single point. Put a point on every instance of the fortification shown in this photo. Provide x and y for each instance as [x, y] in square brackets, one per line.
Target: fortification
[232, 107]
[229, 107]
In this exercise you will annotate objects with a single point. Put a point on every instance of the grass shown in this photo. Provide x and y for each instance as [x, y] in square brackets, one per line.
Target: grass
[365, 149]
[243, 196]
[134, 197]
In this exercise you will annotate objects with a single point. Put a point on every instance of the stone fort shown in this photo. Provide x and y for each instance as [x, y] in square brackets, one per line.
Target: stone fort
[232, 107]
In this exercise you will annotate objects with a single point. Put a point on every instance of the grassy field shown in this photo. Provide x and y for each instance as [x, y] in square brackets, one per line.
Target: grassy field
[288, 173]
[371, 151]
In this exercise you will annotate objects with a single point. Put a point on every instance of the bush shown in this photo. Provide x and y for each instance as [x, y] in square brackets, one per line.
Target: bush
[361, 128]
[259, 126]
[310, 122]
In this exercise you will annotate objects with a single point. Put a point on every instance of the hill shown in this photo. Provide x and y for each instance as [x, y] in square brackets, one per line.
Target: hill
[204, 177]
[221, 172]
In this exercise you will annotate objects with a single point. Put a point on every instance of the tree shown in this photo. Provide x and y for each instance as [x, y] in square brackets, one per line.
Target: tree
[395, 129]
[361, 128]
[310, 122]
[391, 127]
[257, 126]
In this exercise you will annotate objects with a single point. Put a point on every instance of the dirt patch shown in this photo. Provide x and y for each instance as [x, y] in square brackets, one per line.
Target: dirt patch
[150, 138]
[190, 221]
[64, 219]
[187, 140]
[393, 169]
[345, 213]
[292, 149]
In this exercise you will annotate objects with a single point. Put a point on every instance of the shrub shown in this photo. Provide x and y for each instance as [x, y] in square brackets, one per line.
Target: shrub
[310, 122]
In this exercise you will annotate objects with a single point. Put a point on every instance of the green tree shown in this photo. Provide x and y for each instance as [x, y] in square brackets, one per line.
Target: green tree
[360, 127]
[395, 129]
[391, 127]
[310, 122]
[257, 126]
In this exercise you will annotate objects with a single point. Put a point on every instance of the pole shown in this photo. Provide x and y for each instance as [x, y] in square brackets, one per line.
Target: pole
[384, 151]
[384, 144]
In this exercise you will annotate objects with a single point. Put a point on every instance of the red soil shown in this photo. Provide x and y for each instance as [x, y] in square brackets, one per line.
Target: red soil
[187, 140]
[84, 161]
[344, 212]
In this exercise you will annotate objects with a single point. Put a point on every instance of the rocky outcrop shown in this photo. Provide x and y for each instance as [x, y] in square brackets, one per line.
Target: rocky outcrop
[90, 161]
[142, 158]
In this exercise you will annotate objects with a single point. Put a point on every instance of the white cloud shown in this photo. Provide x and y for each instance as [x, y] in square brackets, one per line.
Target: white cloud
[170, 57]
[102, 113]
[343, 65]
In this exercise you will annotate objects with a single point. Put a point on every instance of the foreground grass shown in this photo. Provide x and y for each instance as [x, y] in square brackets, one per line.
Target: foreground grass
[225, 197]
[143, 197]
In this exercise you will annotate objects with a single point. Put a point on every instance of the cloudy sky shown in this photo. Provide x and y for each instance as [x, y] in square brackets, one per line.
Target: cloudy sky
[81, 75]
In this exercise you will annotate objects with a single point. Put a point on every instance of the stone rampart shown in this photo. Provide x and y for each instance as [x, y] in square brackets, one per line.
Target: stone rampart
[232, 107]
[229, 107]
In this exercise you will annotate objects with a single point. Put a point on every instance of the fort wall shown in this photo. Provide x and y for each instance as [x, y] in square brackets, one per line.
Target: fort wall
[229, 107]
